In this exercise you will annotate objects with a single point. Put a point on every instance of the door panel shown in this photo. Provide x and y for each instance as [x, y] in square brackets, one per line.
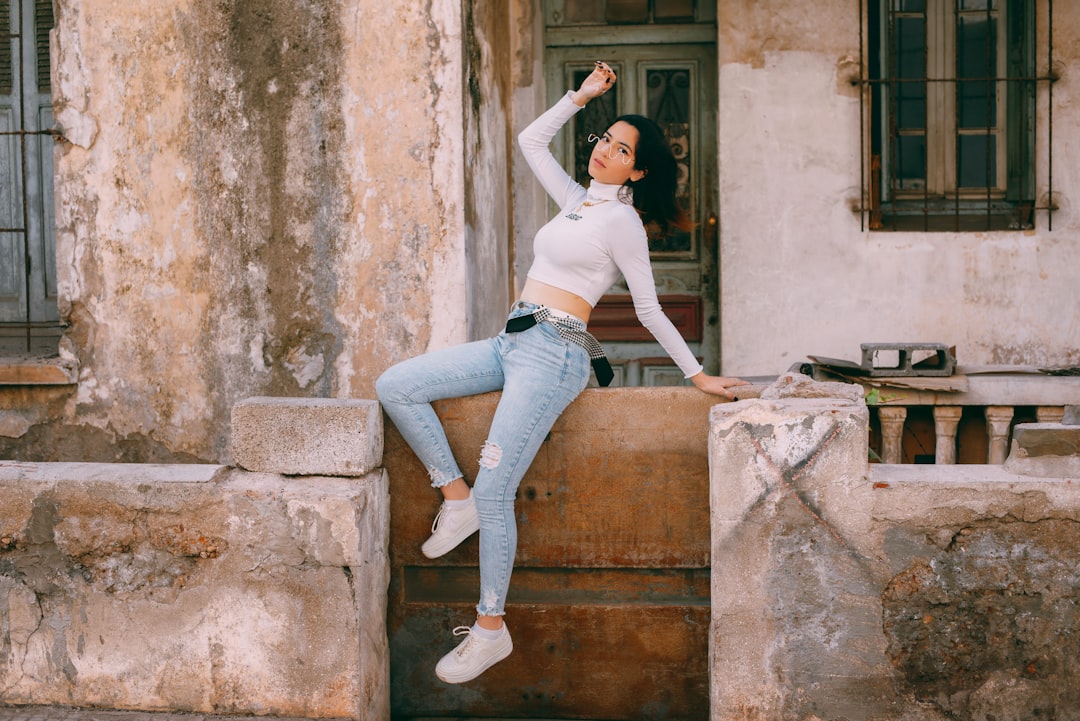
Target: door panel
[675, 85]
[609, 604]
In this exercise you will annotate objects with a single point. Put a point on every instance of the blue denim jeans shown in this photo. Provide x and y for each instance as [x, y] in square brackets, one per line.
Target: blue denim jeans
[540, 374]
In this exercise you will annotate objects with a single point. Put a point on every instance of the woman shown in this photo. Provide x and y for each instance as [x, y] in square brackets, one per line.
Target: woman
[542, 361]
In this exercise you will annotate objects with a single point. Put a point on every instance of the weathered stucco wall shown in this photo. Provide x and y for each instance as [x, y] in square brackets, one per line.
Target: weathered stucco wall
[488, 150]
[530, 210]
[504, 205]
[284, 198]
[256, 198]
[799, 276]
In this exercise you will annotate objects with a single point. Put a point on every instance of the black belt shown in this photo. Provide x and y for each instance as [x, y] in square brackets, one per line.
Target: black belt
[570, 332]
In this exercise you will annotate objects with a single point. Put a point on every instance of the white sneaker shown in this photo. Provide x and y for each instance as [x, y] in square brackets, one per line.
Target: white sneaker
[450, 527]
[473, 656]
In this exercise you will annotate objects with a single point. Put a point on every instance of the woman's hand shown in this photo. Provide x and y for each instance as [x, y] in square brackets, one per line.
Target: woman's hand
[600, 80]
[717, 385]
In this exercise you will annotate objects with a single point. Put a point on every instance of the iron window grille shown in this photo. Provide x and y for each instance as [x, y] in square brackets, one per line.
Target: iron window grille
[950, 102]
[29, 320]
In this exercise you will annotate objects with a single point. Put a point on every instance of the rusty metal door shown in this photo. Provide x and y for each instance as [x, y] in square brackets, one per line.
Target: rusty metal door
[609, 601]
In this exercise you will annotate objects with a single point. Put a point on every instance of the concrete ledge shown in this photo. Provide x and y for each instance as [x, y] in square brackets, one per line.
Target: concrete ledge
[1005, 389]
[195, 589]
[307, 436]
[1045, 449]
[965, 494]
[116, 473]
[38, 372]
[1046, 439]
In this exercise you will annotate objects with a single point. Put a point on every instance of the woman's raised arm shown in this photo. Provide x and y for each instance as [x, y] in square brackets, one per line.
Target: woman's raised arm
[600, 80]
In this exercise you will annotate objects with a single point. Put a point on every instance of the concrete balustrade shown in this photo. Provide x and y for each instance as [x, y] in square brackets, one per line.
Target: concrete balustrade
[998, 396]
[892, 432]
[946, 422]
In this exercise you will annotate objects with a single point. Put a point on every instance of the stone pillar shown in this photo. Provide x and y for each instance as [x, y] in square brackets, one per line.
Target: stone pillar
[998, 419]
[1050, 414]
[796, 619]
[946, 419]
[892, 432]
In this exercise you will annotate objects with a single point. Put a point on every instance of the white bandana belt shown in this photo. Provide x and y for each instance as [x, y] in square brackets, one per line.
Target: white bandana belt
[572, 330]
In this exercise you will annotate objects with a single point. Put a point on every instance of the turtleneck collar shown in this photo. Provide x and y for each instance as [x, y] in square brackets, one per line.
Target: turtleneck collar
[607, 191]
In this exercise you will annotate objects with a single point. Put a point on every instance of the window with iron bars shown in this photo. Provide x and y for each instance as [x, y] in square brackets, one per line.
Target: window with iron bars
[950, 114]
[29, 320]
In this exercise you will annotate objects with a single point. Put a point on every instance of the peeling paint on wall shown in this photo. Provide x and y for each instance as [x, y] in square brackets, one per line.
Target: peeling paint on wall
[259, 198]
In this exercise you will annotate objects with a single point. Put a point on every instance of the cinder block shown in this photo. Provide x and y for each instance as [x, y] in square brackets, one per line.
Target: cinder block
[307, 436]
[943, 364]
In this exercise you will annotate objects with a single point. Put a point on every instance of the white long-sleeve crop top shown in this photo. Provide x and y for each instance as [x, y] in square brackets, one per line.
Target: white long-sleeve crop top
[584, 248]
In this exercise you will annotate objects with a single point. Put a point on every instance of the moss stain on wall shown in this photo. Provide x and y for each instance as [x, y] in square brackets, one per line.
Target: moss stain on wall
[259, 197]
[270, 190]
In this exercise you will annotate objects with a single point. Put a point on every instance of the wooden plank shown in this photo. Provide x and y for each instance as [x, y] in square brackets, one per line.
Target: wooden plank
[854, 374]
[37, 372]
[943, 384]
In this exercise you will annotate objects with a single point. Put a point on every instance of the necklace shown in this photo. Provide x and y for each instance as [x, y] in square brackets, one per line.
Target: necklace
[586, 204]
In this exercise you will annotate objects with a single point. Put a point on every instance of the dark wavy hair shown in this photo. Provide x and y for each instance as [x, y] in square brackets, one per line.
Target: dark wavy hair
[654, 194]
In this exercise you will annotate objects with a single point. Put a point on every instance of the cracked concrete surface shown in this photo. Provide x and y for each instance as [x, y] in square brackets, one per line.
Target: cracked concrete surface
[195, 589]
[848, 590]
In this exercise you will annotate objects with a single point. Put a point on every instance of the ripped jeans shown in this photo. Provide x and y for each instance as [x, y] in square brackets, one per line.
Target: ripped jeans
[540, 374]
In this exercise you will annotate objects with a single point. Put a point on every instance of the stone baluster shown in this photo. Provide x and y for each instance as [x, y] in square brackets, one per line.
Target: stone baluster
[1050, 414]
[998, 420]
[946, 420]
[892, 432]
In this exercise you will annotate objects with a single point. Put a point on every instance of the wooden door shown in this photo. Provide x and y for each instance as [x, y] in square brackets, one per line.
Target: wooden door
[609, 602]
[675, 85]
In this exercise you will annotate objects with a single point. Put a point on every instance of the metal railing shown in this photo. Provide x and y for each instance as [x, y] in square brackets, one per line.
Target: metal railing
[888, 206]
